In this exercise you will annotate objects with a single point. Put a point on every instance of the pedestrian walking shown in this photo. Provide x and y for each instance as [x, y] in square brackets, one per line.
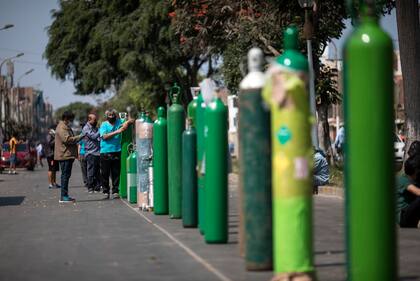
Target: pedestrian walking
[65, 151]
[110, 151]
[13, 142]
[82, 160]
[49, 153]
[40, 153]
[92, 153]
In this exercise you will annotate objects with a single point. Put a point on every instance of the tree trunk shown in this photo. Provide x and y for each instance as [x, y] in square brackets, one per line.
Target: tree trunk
[409, 41]
[324, 129]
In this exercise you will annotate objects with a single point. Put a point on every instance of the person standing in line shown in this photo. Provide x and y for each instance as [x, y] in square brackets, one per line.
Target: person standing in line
[92, 153]
[13, 142]
[110, 152]
[82, 160]
[49, 153]
[65, 151]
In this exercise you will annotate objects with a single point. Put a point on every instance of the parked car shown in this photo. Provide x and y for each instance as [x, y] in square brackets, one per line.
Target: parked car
[25, 154]
[399, 147]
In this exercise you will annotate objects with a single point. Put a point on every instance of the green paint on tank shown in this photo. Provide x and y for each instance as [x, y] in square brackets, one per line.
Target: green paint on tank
[255, 163]
[200, 123]
[189, 177]
[126, 139]
[160, 164]
[292, 161]
[369, 158]
[216, 182]
[132, 177]
[191, 111]
[176, 126]
[254, 135]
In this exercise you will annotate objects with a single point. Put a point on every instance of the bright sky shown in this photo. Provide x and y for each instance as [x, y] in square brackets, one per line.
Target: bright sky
[29, 36]
[30, 19]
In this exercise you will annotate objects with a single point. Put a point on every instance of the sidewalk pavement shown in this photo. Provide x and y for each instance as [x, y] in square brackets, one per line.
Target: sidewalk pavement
[97, 239]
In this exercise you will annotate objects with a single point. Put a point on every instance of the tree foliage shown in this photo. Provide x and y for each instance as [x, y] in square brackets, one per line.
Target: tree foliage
[99, 44]
[80, 110]
[230, 28]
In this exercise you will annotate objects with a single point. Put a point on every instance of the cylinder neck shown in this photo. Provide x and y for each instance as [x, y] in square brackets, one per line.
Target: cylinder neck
[189, 123]
[161, 112]
[255, 60]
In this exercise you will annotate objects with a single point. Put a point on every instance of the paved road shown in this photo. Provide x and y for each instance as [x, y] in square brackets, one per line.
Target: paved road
[97, 239]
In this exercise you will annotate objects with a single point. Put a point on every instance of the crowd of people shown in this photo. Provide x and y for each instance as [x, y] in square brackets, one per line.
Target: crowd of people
[98, 149]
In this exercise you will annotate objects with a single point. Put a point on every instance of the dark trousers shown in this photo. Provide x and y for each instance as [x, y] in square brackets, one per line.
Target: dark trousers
[410, 216]
[110, 165]
[93, 172]
[65, 166]
[84, 169]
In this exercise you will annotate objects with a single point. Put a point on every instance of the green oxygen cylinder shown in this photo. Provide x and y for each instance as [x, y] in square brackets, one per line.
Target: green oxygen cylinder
[192, 110]
[369, 157]
[255, 166]
[216, 198]
[176, 125]
[189, 176]
[292, 161]
[132, 176]
[126, 139]
[144, 132]
[200, 118]
[160, 163]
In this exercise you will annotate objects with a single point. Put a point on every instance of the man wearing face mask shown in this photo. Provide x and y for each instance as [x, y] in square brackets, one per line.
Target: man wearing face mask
[110, 132]
[65, 151]
[92, 153]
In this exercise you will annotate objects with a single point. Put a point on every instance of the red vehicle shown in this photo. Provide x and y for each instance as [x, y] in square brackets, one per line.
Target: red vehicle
[25, 154]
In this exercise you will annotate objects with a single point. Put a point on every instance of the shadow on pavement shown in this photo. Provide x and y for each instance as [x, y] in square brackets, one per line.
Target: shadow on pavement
[11, 200]
[93, 200]
[409, 278]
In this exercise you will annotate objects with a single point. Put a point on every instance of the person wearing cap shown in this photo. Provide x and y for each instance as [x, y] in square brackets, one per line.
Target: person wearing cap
[110, 151]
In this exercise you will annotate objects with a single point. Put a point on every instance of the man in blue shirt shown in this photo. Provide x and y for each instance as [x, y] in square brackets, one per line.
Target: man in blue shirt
[110, 151]
[92, 153]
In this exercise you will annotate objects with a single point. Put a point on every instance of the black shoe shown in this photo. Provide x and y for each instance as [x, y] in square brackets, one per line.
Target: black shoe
[90, 190]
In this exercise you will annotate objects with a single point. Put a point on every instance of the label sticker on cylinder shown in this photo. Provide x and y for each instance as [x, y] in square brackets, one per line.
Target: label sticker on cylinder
[301, 168]
[284, 135]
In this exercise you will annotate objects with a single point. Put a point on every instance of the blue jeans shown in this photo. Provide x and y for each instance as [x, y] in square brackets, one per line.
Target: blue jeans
[65, 166]
[93, 172]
